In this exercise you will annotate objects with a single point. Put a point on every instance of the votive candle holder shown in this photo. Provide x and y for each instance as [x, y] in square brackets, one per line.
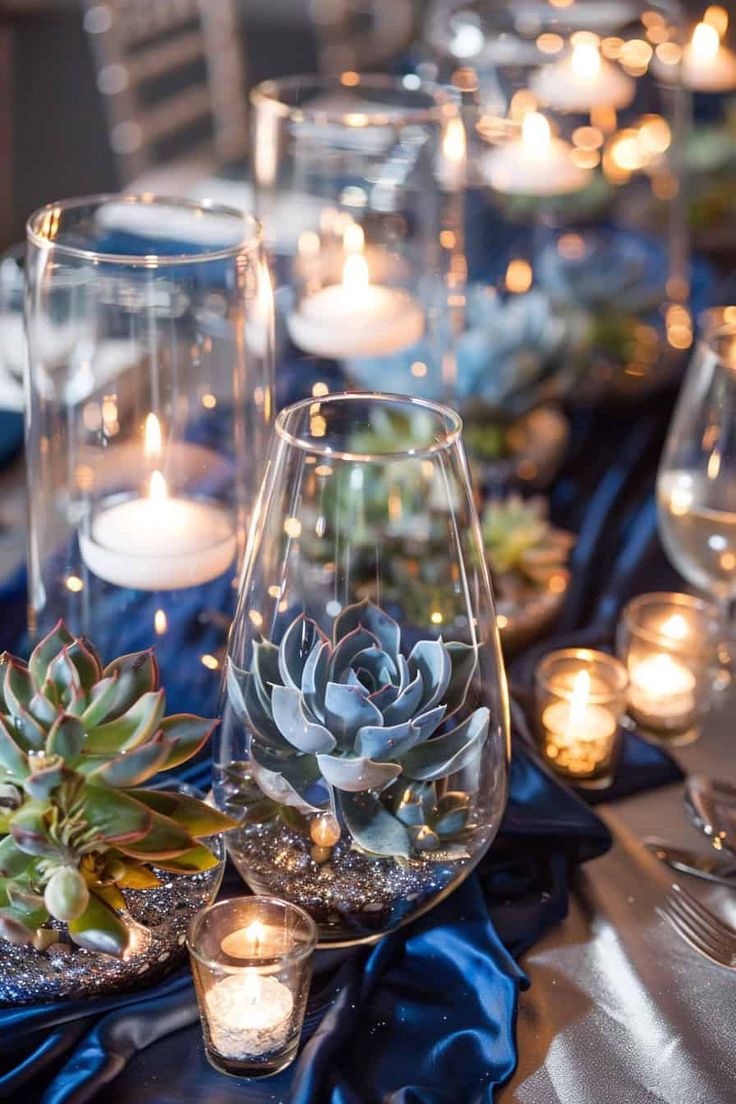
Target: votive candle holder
[252, 962]
[668, 643]
[580, 699]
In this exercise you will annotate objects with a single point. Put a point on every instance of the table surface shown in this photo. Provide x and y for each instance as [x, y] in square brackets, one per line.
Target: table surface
[620, 1009]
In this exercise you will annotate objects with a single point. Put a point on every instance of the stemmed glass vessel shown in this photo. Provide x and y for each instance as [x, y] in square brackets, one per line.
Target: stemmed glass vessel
[696, 485]
[364, 741]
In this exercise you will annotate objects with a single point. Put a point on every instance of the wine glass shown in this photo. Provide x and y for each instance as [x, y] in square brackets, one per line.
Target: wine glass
[696, 483]
[364, 742]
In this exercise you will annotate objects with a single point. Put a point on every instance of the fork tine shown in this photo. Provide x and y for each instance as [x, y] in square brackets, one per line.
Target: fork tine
[693, 925]
[687, 935]
[714, 922]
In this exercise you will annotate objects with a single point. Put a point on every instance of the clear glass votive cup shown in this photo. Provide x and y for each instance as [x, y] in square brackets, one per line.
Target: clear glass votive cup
[668, 642]
[580, 699]
[252, 963]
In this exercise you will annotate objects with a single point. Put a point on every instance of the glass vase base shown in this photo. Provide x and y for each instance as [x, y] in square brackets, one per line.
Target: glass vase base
[250, 1069]
[601, 783]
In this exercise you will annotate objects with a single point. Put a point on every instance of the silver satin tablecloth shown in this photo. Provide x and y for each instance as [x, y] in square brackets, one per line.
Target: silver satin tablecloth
[621, 1010]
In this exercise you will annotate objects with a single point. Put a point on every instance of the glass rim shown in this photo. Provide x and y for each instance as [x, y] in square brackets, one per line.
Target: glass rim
[450, 437]
[294, 954]
[39, 223]
[665, 597]
[589, 656]
[270, 94]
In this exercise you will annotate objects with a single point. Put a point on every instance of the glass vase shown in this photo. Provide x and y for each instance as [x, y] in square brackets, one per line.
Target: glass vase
[358, 182]
[150, 360]
[364, 739]
[577, 249]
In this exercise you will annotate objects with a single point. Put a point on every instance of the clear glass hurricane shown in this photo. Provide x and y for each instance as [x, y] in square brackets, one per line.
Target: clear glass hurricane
[696, 485]
[365, 735]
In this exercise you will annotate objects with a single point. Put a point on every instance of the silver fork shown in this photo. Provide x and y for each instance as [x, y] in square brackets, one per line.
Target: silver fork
[699, 927]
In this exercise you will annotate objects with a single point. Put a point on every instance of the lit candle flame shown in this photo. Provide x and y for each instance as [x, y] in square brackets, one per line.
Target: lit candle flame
[535, 133]
[705, 42]
[675, 626]
[353, 238]
[580, 696]
[152, 438]
[355, 274]
[254, 937]
[585, 61]
[157, 489]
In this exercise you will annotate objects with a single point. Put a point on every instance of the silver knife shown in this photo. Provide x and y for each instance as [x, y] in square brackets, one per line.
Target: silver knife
[712, 869]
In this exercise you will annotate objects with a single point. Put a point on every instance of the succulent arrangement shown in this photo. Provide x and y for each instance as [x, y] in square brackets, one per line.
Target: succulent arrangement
[350, 732]
[77, 741]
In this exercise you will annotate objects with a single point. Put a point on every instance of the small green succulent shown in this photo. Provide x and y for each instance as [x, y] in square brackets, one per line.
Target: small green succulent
[77, 740]
[349, 726]
[519, 539]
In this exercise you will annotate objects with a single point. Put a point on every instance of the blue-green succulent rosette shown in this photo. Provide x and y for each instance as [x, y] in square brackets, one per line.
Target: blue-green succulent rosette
[353, 727]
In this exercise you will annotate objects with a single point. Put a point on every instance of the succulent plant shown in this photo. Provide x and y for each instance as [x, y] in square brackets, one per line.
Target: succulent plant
[352, 728]
[519, 539]
[77, 740]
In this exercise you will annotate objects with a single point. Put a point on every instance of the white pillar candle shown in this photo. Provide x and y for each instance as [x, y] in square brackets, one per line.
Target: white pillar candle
[159, 543]
[535, 163]
[582, 81]
[707, 65]
[356, 318]
[248, 1015]
[661, 691]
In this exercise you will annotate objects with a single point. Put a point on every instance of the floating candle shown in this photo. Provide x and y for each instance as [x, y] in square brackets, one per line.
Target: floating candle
[583, 80]
[535, 163]
[159, 543]
[356, 318]
[707, 65]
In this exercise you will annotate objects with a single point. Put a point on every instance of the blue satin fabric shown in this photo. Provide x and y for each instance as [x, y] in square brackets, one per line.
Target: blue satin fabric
[426, 1016]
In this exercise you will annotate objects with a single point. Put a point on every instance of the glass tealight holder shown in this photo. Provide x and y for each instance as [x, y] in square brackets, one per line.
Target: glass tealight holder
[580, 699]
[252, 963]
[149, 347]
[358, 181]
[578, 255]
[668, 642]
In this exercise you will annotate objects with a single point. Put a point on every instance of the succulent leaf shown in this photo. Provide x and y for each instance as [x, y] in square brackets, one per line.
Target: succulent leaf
[130, 768]
[99, 929]
[29, 731]
[187, 735]
[42, 710]
[46, 650]
[164, 839]
[354, 775]
[464, 662]
[386, 742]
[133, 728]
[115, 817]
[450, 752]
[47, 772]
[266, 669]
[289, 714]
[372, 826]
[66, 738]
[194, 861]
[85, 661]
[299, 640]
[66, 895]
[347, 709]
[286, 781]
[197, 817]
[30, 830]
[18, 687]
[430, 659]
[372, 618]
[13, 929]
[64, 677]
[136, 876]
[13, 862]
[13, 758]
[137, 673]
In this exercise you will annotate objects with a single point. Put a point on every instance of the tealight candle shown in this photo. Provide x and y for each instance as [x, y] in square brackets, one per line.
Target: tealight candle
[356, 318]
[668, 642]
[580, 698]
[159, 543]
[251, 960]
[156, 542]
[707, 65]
[582, 81]
[535, 163]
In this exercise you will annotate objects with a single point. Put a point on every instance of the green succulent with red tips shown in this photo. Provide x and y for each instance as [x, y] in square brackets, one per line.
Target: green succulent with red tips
[78, 742]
